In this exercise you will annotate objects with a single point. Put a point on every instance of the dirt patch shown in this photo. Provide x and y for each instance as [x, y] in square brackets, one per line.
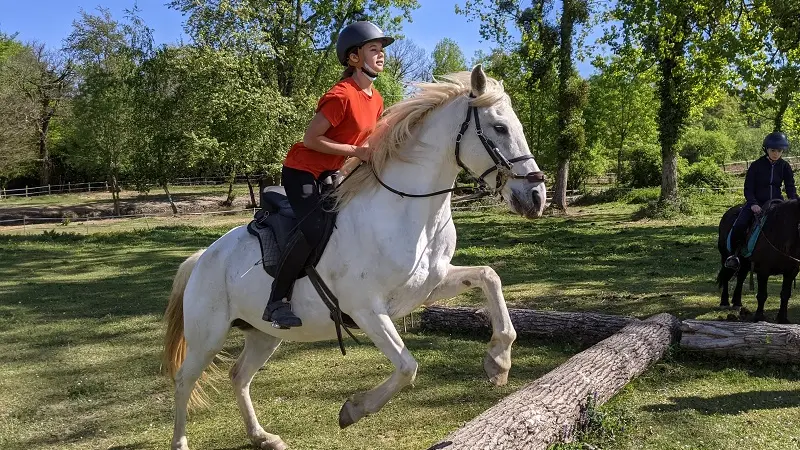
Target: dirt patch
[151, 205]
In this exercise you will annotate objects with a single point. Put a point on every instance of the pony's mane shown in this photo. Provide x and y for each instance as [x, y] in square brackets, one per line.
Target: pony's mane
[400, 121]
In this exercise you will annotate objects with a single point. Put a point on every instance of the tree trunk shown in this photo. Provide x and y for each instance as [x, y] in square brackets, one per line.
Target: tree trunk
[560, 192]
[673, 113]
[115, 194]
[764, 341]
[46, 168]
[253, 203]
[229, 199]
[547, 410]
[169, 198]
[585, 328]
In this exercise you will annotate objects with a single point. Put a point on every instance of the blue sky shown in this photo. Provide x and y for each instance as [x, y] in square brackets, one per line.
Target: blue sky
[50, 21]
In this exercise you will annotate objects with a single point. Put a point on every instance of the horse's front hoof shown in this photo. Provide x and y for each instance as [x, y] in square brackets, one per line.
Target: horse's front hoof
[347, 415]
[497, 374]
[759, 318]
[784, 321]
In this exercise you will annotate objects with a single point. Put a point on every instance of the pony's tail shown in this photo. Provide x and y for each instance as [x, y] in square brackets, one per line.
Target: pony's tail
[174, 340]
[720, 280]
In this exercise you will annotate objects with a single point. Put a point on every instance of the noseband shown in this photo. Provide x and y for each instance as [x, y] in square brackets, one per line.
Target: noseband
[503, 166]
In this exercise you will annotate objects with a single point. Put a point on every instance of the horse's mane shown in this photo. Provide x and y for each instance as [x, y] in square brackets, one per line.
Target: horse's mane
[782, 222]
[784, 216]
[400, 121]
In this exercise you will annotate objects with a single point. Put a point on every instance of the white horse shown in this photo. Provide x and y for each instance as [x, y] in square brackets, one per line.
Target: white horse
[388, 255]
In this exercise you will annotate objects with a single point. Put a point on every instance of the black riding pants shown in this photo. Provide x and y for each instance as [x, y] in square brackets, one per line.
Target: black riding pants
[303, 193]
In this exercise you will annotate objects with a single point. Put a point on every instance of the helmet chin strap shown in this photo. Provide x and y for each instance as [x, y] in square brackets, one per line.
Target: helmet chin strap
[367, 70]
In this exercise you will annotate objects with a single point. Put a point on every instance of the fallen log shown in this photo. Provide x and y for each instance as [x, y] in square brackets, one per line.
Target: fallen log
[585, 328]
[547, 410]
[764, 341]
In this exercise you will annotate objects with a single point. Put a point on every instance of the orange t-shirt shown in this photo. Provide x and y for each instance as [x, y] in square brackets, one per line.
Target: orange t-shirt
[352, 114]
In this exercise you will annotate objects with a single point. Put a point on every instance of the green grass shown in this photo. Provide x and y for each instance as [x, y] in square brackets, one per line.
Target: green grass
[80, 336]
[101, 197]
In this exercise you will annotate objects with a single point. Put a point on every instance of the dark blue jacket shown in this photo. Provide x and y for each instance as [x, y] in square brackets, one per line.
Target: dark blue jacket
[763, 181]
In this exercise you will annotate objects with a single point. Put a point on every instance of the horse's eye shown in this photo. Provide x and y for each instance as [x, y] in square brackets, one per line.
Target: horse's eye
[502, 129]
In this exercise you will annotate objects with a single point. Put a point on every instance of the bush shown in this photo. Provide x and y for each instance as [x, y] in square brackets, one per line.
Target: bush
[644, 169]
[705, 174]
[698, 144]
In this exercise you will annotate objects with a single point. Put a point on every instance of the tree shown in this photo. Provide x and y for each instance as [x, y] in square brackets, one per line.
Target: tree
[689, 43]
[542, 47]
[769, 62]
[406, 61]
[17, 138]
[291, 42]
[109, 54]
[622, 104]
[238, 124]
[39, 80]
[447, 58]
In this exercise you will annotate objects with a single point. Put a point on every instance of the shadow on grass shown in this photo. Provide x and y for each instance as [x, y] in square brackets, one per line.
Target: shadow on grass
[731, 404]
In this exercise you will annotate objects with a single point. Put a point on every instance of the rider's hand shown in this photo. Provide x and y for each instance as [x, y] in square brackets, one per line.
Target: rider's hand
[363, 153]
[756, 209]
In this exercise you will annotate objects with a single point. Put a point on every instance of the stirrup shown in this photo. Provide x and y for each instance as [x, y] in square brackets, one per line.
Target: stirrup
[732, 262]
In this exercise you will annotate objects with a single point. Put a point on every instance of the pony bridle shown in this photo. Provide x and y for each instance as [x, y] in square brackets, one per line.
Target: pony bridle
[503, 166]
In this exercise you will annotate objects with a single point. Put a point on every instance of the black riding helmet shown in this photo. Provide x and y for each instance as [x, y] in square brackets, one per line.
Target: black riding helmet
[356, 35]
[776, 139]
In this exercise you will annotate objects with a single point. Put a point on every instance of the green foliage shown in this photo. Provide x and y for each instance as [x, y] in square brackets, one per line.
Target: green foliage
[390, 87]
[447, 58]
[697, 144]
[644, 167]
[705, 174]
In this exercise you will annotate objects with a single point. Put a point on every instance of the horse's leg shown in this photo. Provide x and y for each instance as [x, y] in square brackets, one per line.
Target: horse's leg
[380, 329]
[763, 277]
[497, 362]
[258, 347]
[786, 292]
[723, 278]
[741, 277]
[203, 342]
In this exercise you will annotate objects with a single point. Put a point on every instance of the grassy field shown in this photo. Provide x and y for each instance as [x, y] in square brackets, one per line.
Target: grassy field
[80, 334]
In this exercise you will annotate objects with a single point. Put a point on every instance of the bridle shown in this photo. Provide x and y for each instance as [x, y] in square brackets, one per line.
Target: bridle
[503, 166]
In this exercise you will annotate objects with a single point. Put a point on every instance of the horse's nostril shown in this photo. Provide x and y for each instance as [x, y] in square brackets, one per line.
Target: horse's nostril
[537, 198]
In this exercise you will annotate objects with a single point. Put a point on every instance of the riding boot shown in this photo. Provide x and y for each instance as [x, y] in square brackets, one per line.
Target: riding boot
[732, 262]
[293, 260]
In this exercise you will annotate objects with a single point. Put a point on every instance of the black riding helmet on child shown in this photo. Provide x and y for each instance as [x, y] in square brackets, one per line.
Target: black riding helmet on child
[355, 36]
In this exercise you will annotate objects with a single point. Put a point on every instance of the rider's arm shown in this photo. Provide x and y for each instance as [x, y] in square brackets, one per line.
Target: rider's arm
[750, 185]
[788, 181]
[315, 139]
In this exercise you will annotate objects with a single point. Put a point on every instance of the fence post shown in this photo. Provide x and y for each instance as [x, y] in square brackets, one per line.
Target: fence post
[68, 187]
[90, 186]
[26, 190]
[49, 192]
[106, 185]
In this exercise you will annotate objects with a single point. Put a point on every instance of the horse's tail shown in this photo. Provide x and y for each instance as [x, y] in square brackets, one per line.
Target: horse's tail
[174, 340]
[720, 280]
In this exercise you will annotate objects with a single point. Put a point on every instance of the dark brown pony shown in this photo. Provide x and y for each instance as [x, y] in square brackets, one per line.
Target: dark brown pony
[777, 251]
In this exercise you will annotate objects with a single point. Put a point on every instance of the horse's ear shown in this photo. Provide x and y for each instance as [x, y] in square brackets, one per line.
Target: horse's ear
[478, 80]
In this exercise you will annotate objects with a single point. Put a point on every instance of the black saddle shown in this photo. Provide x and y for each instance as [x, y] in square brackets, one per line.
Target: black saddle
[274, 225]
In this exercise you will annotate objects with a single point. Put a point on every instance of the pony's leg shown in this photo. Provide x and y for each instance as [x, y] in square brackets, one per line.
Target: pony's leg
[258, 347]
[380, 329]
[497, 362]
[786, 292]
[723, 278]
[741, 277]
[203, 343]
[763, 277]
